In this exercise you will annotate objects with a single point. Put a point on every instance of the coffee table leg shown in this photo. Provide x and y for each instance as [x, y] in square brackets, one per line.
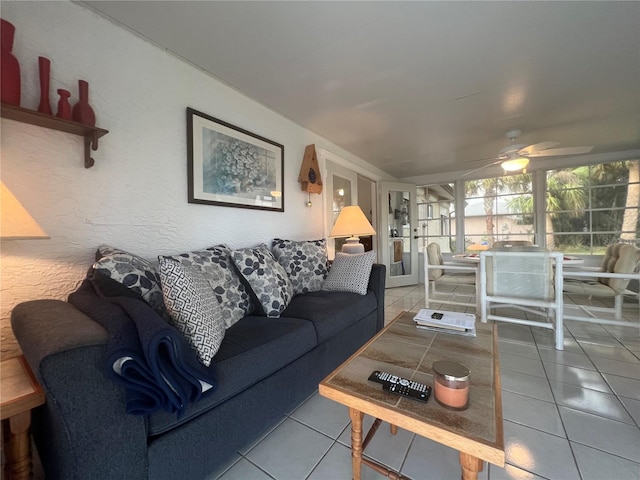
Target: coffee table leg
[471, 466]
[356, 441]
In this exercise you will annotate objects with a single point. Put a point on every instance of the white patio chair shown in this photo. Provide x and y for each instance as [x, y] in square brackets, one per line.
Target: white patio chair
[523, 280]
[438, 273]
[511, 243]
[619, 266]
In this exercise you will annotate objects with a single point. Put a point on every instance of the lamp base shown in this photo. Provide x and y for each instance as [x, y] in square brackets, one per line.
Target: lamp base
[352, 246]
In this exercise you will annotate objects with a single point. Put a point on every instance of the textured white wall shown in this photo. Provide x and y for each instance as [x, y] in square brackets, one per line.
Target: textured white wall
[135, 197]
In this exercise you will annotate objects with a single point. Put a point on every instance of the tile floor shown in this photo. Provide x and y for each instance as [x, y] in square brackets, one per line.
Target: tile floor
[572, 414]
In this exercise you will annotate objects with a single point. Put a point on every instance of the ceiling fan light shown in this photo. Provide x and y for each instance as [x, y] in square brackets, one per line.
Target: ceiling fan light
[515, 164]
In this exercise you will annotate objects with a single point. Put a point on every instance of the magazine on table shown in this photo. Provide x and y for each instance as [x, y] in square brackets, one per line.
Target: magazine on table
[443, 321]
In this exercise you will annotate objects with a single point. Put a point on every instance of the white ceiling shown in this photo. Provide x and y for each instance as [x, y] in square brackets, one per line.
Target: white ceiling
[418, 88]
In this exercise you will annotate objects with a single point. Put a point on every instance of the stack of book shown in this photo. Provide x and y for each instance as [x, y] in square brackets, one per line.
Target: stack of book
[448, 322]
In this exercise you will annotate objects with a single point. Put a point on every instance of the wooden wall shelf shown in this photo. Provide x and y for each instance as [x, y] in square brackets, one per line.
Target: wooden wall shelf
[90, 134]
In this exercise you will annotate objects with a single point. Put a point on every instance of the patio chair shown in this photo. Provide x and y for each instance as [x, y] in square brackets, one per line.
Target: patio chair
[512, 243]
[619, 266]
[524, 281]
[438, 273]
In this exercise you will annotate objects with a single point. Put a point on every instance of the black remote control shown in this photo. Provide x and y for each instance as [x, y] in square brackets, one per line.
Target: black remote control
[401, 386]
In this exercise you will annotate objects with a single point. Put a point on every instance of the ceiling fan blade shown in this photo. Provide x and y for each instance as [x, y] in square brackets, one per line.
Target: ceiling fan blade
[555, 152]
[536, 147]
[466, 174]
[478, 160]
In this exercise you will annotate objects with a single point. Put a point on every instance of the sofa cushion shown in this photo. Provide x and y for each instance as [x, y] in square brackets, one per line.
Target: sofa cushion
[304, 261]
[331, 312]
[132, 271]
[350, 272]
[251, 350]
[267, 278]
[193, 308]
[217, 267]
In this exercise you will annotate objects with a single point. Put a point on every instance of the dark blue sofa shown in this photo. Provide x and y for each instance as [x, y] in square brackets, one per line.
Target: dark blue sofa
[265, 367]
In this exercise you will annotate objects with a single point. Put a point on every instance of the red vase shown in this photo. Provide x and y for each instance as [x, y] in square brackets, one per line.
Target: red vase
[64, 107]
[44, 66]
[10, 76]
[82, 111]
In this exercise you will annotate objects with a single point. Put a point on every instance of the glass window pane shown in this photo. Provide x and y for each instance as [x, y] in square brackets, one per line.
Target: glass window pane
[436, 222]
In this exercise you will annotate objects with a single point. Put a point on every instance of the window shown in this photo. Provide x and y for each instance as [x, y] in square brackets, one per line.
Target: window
[589, 207]
[498, 209]
[435, 216]
[581, 209]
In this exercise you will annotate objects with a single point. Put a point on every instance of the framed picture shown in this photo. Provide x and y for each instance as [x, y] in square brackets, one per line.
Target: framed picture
[232, 167]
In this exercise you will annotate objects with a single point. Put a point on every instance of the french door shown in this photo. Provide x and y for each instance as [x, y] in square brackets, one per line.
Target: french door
[398, 234]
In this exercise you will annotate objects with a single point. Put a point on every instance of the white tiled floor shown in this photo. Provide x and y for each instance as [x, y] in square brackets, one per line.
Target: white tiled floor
[571, 414]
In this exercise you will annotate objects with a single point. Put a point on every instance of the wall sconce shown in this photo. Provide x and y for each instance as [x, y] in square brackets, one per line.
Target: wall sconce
[17, 223]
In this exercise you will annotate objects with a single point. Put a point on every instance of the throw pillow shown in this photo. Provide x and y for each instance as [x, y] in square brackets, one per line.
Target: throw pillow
[217, 268]
[350, 272]
[305, 262]
[267, 278]
[194, 311]
[132, 271]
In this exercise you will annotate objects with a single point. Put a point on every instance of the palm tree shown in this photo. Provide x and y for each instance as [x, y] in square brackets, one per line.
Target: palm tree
[564, 192]
[488, 187]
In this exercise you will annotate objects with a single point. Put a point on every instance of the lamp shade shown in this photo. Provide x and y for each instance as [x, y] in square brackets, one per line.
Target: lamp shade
[515, 164]
[351, 223]
[16, 223]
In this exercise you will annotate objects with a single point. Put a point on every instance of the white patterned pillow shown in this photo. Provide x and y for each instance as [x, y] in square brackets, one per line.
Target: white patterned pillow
[350, 272]
[267, 278]
[305, 262]
[225, 283]
[132, 271]
[194, 310]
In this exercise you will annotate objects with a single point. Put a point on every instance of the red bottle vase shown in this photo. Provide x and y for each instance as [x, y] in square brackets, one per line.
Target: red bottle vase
[82, 111]
[64, 107]
[9, 66]
[44, 66]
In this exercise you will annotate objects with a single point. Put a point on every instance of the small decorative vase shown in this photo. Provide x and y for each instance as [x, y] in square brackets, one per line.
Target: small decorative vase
[82, 111]
[64, 107]
[45, 67]
[9, 66]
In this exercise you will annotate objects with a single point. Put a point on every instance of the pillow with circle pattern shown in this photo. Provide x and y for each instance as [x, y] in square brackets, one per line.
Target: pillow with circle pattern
[132, 271]
[267, 278]
[304, 261]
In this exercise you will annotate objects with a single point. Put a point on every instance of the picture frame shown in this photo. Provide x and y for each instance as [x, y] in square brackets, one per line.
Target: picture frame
[232, 167]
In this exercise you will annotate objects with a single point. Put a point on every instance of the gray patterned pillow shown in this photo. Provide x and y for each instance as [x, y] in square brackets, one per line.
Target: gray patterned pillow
[305, 262]
[194, 311]
[225, 284]
[350, 272]
[132, 271]
[267, 278]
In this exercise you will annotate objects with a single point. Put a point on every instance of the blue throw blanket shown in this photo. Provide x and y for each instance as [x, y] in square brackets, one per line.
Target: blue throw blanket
[147, 355]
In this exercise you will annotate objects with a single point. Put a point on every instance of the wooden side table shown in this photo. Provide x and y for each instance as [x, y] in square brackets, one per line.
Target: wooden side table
[20, 392]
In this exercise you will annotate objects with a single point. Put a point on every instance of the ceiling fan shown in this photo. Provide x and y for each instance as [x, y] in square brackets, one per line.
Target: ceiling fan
[515, 157]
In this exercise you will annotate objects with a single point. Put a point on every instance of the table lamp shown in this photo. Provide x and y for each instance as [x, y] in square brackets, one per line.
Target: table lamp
[352, 223]
[16, 223]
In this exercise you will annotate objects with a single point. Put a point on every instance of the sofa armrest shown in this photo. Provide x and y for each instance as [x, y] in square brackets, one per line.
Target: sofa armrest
[82, 431]
[376, 285]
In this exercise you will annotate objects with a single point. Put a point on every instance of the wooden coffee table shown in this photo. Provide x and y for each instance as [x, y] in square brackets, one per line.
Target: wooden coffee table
[406, 351]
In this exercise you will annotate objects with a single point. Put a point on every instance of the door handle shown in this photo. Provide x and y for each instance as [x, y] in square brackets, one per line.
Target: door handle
[416, 237]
